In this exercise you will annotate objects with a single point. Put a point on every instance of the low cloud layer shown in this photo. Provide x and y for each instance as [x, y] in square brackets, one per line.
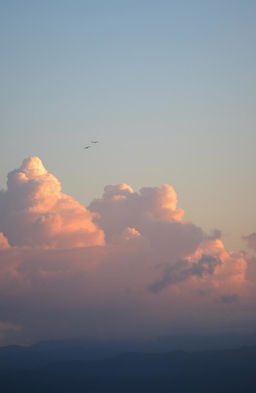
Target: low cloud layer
[127, 266]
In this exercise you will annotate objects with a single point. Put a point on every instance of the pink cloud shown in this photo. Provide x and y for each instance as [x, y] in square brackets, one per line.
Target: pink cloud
[121, 207]
[3, 241]
[34, 212]
[58, 278]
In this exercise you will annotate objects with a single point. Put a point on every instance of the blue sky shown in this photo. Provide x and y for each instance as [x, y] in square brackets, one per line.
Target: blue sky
[168, 87]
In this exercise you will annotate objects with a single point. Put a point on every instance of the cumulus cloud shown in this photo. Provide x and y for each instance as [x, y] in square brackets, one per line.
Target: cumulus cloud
[121, 207]
[129, 265]
[153, 213]
[34, 211]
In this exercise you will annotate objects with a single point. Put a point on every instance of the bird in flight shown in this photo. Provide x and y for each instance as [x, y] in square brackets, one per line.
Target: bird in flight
[87, 147]
[94, 141]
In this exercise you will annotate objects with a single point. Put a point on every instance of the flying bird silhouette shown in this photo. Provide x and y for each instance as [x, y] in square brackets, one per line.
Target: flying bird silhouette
[87, 147]
[94, 141]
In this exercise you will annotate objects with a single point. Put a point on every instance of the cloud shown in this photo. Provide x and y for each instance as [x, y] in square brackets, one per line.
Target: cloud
[3, 241]
[182, 270]
[127, 266]
[153, 213]
[34, 212]
[121, 207]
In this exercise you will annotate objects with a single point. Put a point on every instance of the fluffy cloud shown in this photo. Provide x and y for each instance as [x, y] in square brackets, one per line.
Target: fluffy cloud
[153, 274]
[121, 207]
[153, 213]
[34, 212]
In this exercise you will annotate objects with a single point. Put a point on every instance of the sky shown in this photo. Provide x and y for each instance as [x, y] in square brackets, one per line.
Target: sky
[168, 90]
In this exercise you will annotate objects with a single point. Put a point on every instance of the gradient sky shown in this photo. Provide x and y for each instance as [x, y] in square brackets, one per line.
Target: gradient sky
[168, 87]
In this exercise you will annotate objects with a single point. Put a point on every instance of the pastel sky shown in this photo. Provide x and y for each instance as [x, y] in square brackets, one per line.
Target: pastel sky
[127, 267]
[168, 88]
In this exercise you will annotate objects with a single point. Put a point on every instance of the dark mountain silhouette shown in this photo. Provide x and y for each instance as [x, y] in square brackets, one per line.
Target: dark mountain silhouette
[45, 352]
[231, 370]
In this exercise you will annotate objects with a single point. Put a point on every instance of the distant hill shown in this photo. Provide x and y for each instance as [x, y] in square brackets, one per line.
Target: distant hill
[45, 352]
[222, 371]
